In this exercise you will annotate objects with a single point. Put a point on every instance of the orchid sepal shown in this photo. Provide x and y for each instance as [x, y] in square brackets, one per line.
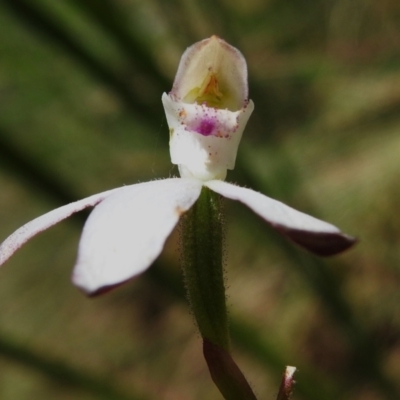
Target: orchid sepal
[127, 231]
[214, 72]
[318, 237]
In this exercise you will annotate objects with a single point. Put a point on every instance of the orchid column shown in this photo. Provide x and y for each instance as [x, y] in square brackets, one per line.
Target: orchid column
[207, 111]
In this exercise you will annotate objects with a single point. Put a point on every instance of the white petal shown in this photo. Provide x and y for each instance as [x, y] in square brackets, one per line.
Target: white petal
[126, 232]
[204, 154]
[313, 234]
[32, 228]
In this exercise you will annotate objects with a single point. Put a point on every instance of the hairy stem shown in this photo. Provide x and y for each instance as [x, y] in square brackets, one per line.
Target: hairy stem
[202, 260]
[202, 267]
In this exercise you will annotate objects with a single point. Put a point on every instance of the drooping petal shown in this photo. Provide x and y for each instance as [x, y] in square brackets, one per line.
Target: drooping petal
[126, 232]
[317, 236]
[32, 228]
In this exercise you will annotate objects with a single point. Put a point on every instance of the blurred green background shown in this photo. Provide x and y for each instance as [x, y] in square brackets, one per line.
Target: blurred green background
[80, 112]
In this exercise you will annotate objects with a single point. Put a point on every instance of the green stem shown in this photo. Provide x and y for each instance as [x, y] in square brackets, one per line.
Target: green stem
[202, 260]
[202, 256]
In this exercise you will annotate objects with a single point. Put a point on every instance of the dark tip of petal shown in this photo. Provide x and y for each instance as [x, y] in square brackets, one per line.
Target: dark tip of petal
[103, 290]
[320, 243]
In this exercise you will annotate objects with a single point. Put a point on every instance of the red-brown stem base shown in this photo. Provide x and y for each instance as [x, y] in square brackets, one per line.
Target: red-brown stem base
[226, 374]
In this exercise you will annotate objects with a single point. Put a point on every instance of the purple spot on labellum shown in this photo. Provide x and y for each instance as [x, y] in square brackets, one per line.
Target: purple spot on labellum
[206, 127]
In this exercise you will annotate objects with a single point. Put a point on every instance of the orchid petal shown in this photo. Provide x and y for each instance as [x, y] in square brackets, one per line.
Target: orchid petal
[126, 232]
[32, 228]
[315, 235]
[203, 156]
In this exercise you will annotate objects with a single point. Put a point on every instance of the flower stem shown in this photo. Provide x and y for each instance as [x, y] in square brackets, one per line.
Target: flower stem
[202, 260]
[202, 238]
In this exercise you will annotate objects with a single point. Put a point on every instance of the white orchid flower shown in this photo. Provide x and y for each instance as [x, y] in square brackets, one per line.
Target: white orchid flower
[206, 111]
